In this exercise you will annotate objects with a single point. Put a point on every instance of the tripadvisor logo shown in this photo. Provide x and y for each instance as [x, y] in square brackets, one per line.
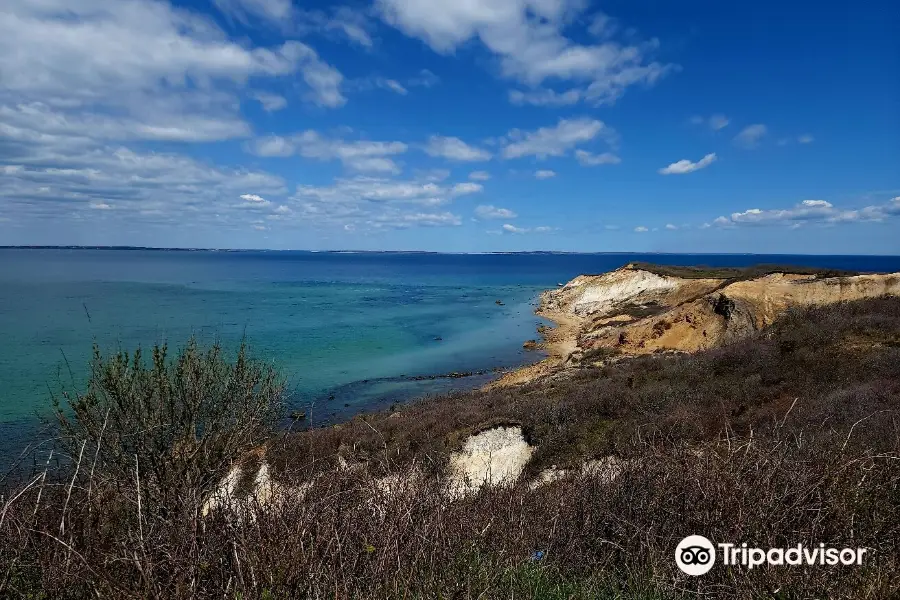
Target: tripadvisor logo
[696, 555]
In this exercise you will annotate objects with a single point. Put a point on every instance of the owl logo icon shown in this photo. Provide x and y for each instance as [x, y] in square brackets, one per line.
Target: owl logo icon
[695, 555]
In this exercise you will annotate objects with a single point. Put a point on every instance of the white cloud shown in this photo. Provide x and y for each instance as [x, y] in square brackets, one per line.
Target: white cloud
[553, 141]
[588, 159]
[479, 175]
[425, 79]
[603, 26]
[718, 122]
[143, 187]
[544, 174]
[344, 21]
[811, 211]
[405, 221]
[39, 123]
[281, 14]
[363, 155]
[395, 86]
[465, 188]
[453, 148]
[145, 67]
[323, 80]
[608, 89]
[80, 50]
[379, 203]
[545, 97]
[508, 228]
[527, 37]
[489, 211]
[245, 10]
[801, 139]
[715, 122]
[270, 102]
[359, 155]
[671, 227]
[750, 136]
[82, 78]
[374, 82]
[270, 146]
[641, 229]
[685, 166]
[376, 189]
[434, 175]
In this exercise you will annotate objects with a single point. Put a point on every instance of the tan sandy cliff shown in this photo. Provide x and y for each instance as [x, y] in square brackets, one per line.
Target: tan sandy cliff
[638, 310]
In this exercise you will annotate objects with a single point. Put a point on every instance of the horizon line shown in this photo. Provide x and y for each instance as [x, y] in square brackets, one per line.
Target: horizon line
[351, 251]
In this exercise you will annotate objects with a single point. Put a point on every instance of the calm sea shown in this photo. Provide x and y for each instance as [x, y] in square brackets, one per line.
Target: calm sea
[349, 330]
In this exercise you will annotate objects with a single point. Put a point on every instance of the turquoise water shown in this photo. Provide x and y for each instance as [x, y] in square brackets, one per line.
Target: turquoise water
[355, 326]
[323, 328]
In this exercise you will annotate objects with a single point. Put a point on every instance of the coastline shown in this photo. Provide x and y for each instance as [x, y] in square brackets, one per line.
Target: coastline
[559, 342]
[641, 309]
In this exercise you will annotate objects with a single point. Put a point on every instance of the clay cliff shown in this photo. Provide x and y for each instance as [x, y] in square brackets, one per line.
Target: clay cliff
[643, 309]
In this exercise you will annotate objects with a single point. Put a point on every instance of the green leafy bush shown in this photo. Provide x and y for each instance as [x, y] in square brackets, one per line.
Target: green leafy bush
[173, 425]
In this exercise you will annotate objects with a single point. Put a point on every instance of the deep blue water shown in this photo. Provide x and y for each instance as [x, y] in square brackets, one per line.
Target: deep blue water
[355, 326]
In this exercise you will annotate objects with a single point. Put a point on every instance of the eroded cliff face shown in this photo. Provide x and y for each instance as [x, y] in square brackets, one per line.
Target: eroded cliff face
[611, 293]
[631, 311]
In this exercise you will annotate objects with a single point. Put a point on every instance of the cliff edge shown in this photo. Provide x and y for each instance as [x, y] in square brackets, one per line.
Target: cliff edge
[642, 309]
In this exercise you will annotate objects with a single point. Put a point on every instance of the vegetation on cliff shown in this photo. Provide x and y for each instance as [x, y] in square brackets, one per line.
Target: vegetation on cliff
[789, 436]
[733, 274]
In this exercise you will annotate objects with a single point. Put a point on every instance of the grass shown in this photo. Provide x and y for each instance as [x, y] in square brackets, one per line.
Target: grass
[790, 437]
[733, 274]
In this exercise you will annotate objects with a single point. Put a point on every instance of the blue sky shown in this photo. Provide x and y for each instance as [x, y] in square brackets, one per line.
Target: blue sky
[465, 126]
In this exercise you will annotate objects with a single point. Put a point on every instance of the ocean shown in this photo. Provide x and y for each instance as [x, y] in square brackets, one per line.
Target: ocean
[350, 331]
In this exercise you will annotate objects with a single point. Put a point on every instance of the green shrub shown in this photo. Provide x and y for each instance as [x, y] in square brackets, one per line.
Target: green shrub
[175, 424]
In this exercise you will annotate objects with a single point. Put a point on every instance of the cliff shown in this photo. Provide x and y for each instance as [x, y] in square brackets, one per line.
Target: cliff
[644, 309]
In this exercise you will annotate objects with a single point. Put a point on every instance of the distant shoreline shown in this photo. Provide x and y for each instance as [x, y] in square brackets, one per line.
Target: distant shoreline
[430, 252]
